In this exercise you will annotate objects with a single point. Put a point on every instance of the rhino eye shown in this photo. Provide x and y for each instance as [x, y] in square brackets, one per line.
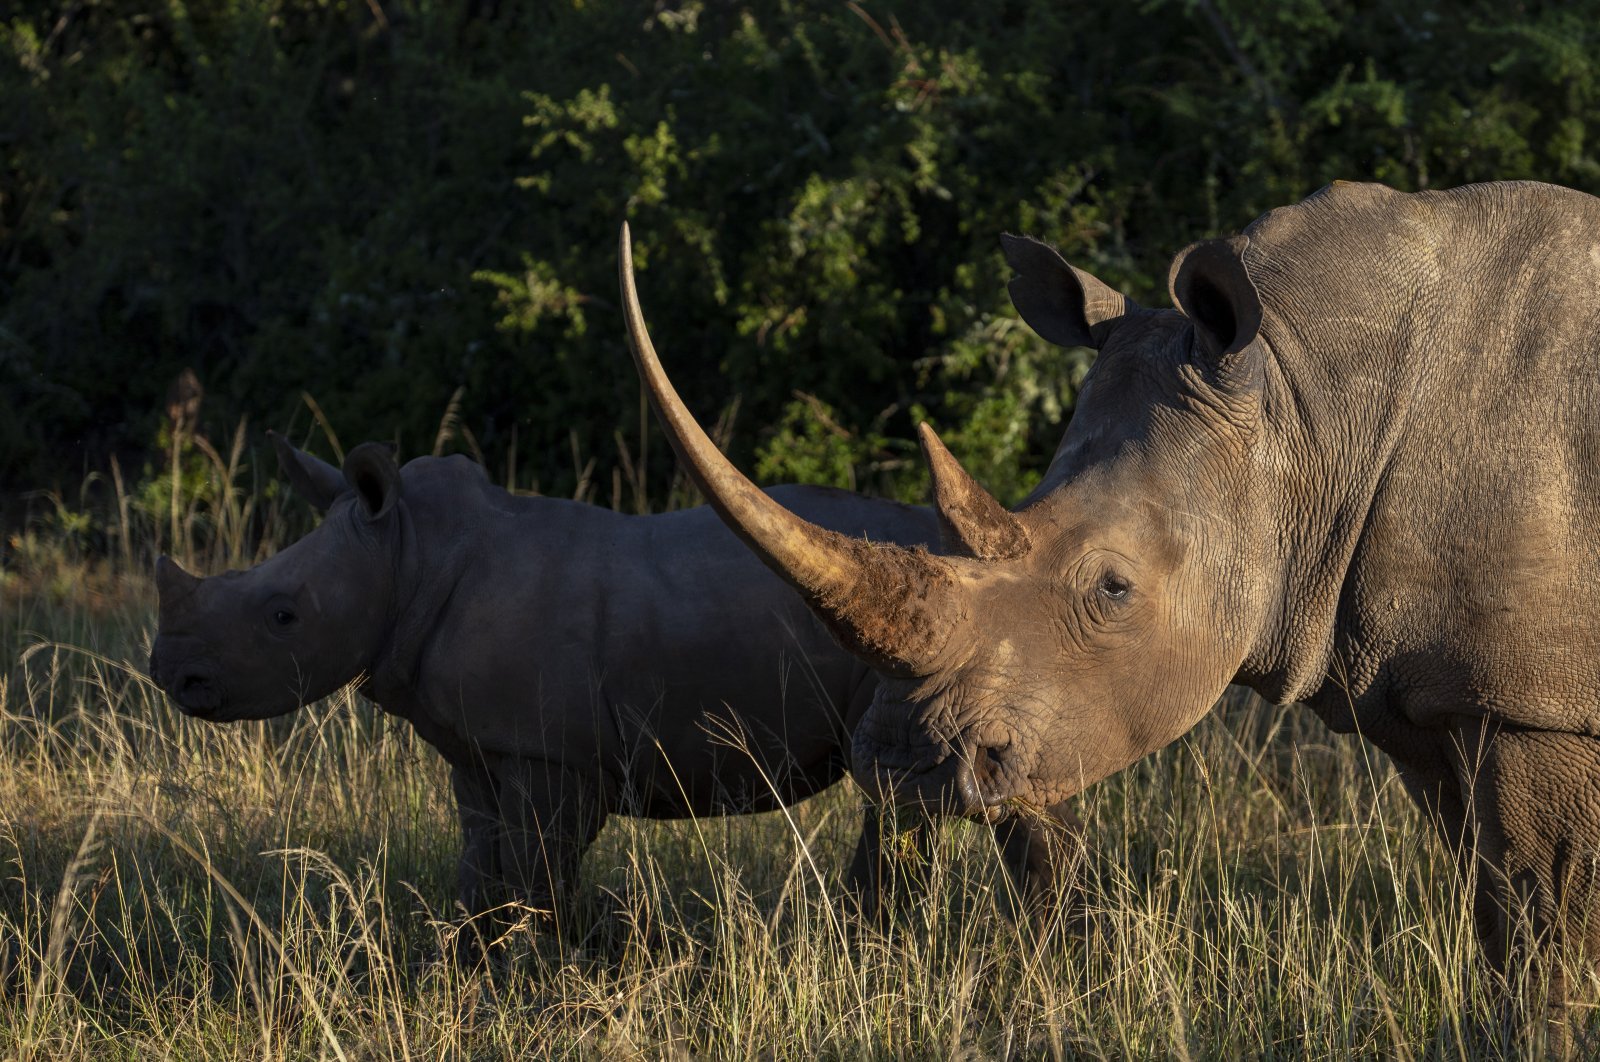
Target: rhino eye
[284, 618]
[1113, 586]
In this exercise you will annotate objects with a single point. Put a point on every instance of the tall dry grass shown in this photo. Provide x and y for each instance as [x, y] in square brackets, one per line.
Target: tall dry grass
[281, 890]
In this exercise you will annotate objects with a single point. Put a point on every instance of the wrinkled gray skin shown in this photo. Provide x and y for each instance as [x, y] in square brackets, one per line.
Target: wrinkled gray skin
[567, 661]
[1358, 467]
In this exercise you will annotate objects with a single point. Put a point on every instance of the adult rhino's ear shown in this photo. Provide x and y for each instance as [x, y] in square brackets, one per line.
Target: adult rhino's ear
[1065, 305]
[1209, 284]
[314, 480]
[372, 473]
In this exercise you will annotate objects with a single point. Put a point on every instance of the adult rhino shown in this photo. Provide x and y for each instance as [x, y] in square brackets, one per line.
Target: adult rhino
[568, 661]
[1358, 467]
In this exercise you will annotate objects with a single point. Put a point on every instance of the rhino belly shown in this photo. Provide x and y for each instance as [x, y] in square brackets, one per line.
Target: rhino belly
[706, 770]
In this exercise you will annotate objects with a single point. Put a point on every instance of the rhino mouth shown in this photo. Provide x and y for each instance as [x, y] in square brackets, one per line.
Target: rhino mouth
[197, 695]
[952, 786]
[976, 771]
[192, 685]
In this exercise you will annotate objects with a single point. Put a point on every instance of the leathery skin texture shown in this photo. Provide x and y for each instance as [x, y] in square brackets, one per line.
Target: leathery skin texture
[1356, 467]
[569, 663]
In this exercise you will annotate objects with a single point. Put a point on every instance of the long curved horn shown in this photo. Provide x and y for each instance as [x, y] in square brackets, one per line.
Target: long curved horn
[886, 604]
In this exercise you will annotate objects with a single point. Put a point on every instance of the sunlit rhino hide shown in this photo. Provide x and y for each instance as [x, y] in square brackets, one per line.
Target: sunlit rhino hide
[1356, 467]
[568, 661]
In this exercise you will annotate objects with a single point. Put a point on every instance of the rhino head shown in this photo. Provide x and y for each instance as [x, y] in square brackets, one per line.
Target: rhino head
[1042, 649]
[296, 627]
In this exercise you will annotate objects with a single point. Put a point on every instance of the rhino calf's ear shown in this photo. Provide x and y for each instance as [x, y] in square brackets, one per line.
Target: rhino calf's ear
[371, 471]
[1066, 306]
[318, 482]
[1209, 284]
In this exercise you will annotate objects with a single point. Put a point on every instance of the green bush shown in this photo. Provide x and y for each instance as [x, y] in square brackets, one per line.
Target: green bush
[378, 204]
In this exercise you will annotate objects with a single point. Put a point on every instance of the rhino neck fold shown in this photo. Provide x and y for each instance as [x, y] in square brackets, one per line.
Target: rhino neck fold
[421, 590]
[1345, 378]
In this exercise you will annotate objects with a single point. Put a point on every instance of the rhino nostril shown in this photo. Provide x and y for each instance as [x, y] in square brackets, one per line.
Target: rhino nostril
[196, 690]
[968, 789]
[193, 683]
[990, 771]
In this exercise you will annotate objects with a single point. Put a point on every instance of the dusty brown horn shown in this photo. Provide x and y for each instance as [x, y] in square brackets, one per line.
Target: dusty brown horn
[971, 522]
[888, 605]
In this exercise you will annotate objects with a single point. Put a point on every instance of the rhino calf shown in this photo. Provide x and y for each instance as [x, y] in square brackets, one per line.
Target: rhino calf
[568, 661]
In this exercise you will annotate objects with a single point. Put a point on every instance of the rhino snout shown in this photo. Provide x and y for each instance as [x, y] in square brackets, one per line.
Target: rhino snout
[197, 693]
[193, 684]
[972, 778]
[992, 769]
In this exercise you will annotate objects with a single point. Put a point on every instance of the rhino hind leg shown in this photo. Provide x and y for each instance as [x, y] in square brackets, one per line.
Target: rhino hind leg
[1531, 844]
[1044, 854]
[550, 815]
[891, 861]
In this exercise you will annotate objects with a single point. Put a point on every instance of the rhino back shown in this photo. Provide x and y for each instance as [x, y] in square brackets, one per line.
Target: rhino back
[1441, 354]
[647, 646]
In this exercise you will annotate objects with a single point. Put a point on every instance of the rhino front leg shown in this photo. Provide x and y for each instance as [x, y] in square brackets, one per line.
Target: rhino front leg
[1532, 807]
[551, 814]
[1044, 854]
[479, 877]
[479, 811]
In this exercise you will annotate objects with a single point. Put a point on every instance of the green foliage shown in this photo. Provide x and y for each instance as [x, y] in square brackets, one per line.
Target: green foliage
[380, 204]
[810, 446]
